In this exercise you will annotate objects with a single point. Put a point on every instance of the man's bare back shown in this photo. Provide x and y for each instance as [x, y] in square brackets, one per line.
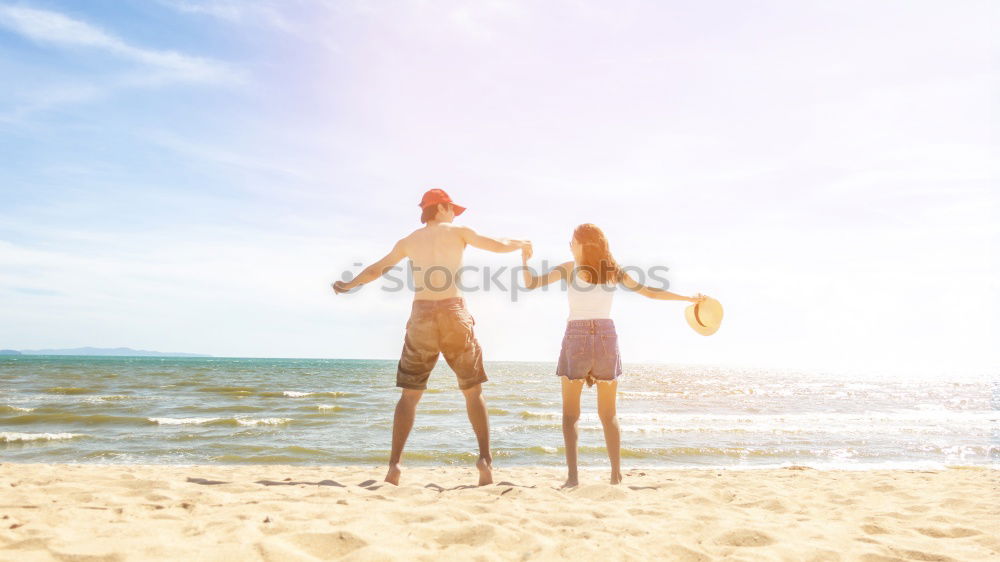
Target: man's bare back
[435, 253]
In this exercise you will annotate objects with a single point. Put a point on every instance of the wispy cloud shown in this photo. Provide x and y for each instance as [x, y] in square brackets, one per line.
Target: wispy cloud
[46, 26]
[144, 68]
[235, 12]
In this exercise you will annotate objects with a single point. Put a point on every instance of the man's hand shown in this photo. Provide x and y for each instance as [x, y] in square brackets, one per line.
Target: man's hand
[526, 250]
[697, 298]
[340, 287]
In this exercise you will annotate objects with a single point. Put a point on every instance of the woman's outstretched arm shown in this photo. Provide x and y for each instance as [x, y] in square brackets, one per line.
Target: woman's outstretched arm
[531, 281]
[654, 293]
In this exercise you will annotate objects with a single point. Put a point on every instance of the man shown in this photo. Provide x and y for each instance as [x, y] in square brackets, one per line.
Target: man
[439, 322]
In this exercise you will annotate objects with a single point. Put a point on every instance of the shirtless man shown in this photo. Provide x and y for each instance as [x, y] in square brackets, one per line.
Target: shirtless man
[439, 322]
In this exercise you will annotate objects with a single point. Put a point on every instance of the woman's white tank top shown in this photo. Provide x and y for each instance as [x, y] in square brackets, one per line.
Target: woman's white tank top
[588, 301]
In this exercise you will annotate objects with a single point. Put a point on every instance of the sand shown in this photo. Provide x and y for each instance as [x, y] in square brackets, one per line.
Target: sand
[237, 513]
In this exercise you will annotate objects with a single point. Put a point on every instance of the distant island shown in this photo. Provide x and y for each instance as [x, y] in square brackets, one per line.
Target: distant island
[103, 351]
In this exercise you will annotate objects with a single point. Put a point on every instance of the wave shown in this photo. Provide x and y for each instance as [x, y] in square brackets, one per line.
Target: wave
[227, 409]
[837, 454]
[181, 421]
[263, 421]
[8, 409]
[236, 421]
[13, 437]
[277, 455]
[68, 390]
[804, 420]
[244, 390]
[65, 418]
[302, 394]
[108, 398]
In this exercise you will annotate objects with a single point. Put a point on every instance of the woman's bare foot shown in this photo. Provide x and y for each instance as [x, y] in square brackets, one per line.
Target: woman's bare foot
[392, 476]
[570, 483]
[616, 477]
[485, 466]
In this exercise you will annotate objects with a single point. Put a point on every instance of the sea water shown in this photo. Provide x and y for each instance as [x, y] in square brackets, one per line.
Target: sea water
[325, 411]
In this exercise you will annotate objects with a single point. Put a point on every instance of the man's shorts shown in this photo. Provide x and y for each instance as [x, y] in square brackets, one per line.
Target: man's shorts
[435, 327]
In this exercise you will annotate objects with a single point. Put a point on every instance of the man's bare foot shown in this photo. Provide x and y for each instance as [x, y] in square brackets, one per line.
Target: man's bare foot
[616, 477]
[485, 466]
[570, 483]
[392, 476]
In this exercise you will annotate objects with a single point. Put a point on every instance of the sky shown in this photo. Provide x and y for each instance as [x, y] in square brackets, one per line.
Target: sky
[190, 175]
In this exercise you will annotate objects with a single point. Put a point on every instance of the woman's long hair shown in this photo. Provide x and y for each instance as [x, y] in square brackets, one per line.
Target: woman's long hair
[597, 265]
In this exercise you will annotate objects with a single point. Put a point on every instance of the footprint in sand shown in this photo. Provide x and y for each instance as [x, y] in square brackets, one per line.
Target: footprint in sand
[471, 535]
[745, 537]
[326, 546]
[952, 533]
[873, 529]
[407, 517]
[639, 511]
[564, 520]
[822, 556]
[601, 492]
[871, 557]
[86, 552]
[921, 555]
[774, 505]
[682, 554]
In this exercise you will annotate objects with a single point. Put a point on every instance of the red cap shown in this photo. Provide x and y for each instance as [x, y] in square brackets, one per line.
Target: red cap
[436, 196]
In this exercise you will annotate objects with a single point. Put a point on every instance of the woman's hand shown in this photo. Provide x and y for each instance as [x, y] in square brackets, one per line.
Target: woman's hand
[526, 251]
[697, 298]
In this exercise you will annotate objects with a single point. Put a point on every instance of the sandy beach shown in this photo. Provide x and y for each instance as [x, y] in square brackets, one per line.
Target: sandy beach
[145, 512]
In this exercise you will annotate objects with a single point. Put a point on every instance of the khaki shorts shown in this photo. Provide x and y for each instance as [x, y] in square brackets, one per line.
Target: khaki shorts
[436, 327]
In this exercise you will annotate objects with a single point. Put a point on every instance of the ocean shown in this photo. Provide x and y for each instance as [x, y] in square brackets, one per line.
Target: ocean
[153, 410]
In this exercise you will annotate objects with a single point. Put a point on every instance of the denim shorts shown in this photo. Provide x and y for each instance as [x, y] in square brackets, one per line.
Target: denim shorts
[590, 351]
[437, 327]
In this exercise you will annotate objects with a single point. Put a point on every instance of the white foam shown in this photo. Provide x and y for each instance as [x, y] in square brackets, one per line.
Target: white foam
[263, 421]
[106, 398]
[11, 437]
[20, 409]
[181, 421]
[295, 394]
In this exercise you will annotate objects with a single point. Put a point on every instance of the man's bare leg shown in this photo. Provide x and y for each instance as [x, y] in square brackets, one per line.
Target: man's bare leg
[571, 390]
[475, 406]
[402, 423]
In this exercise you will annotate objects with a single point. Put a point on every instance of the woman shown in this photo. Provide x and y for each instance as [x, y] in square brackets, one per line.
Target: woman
[590, 344]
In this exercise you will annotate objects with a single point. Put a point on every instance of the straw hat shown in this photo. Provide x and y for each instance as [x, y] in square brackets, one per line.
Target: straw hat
[705, 316]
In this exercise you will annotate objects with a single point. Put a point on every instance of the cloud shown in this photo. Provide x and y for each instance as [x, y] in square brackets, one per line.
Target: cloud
[46, 26]
[155, 68]
[234, 12]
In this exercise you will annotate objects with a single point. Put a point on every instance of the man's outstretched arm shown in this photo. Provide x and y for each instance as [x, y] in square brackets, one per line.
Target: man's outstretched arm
[498, 245]
[373, 271]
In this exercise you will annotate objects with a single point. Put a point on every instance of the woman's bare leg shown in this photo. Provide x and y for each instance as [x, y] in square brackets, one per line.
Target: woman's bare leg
[607, 409]
[571, 390]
